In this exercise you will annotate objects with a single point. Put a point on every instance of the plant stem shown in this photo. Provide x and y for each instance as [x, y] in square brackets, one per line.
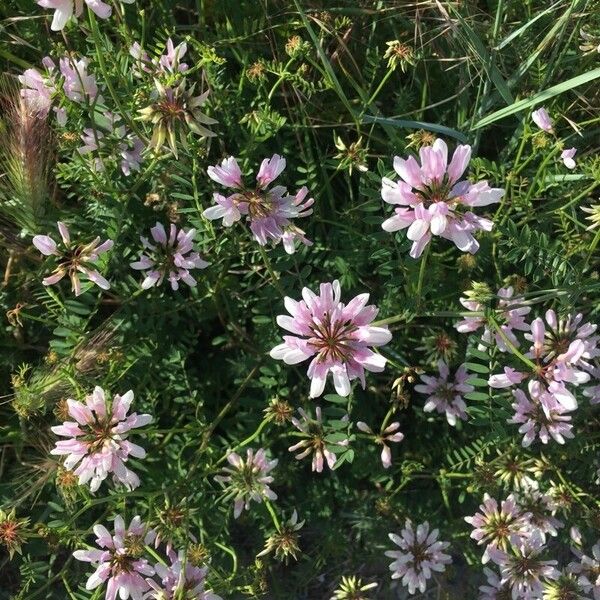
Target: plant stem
[272, 273]
[273, 515]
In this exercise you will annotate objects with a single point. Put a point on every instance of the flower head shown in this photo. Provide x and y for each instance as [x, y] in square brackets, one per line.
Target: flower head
[248, 479]
[542, 119]
[420, 554]
[269, 212]
[73, 260]
[38, 89]
[118, 560]
[495, 589]
[567, 157]
[494, 525]
[541, 508]
[171, 257]
[337, 335]
[446, 396]
[588, 571]
[166, 64]
[352, 588]
[65, 9]
[98, 443]
[432, 197]
[284, 542]
[13, 532]
[78, 84]
[389, 434]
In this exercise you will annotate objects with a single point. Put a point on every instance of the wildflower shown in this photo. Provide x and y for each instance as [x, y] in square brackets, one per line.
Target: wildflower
[432, 197]
[420, 553]
[37, 92]
[514, 471]
[314, 440]
[78, 84]
[389, 434]
[399, 55]
[256, 71]
[541, 508]
[118, 560]
[509, 316]
[74, 259]
[174, 109]
[64, 10]
[352, 588]
[567, 157]
[284, 543]
[522, 569]
[279, 411]
[172, 257]
[590, 43]
[495, 589]
[495, 525]
[540, 415]
[337, 335]
[594, 218]
[542, 119]
[249, 479]
[445, 396]
[353, 155]
[13, 532]
[98, 441]
[167, 63]
[269, 212]
[179, 580]
[588, 571]
[564, 588]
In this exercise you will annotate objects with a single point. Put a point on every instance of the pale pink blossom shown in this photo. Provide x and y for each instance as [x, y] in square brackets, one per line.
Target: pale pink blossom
[337, 337]
[117, 560]
[510, 314]
[37, 91]
[420, 555]
[78, 84]
[522, 568]
[444, 396]
[567, 157]
[542, 119]
[179, 580]
[269, 212]
[171, 257]
[587, 570]
[494, 524]
[248, 479]
[389, 434]
[509, 378]
[74, 259]
[98, 444]
[313, 440]
[435, 201]
[540, 415]
[65, 9]
[495, 589]
[540, 507]
[166, 64]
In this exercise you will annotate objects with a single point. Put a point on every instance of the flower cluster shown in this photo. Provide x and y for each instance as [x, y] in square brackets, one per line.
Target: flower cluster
[337, 335]
[432, 199]
[388, 434]
[269, 212]
[74, 259]
[98, 444]
[65, 9]
[420, 555]
[165, 64]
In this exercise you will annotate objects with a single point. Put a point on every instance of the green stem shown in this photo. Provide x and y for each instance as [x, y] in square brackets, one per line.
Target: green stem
[422, 273]
[273, 515]
[511, 346]
[247, 441]
[272, 273]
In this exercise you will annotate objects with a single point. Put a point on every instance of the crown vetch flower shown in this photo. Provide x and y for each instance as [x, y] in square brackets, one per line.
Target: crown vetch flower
[248, 479]
[446, 396]
[588, 571]
[495, 589]
[167, 63]
[432, 198]
[509, 314]
[179, 580]
[567, 157]
[118, 560]
[65, 9]
[269, 212]
[494, 525]
[78, 84]
[172, 257]
[420, 554]
[540, 507]
[542, 119]
[389, 434]
[98, 443]
[337, 335]
[74, 259]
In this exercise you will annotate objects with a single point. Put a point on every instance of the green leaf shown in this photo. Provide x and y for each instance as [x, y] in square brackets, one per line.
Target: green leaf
[408, 124]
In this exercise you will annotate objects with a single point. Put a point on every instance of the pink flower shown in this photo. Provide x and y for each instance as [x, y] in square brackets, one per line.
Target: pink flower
[522, 569]
[180, 579]
[74, 259]
[445, 396]
[78, 84]
[98, 443]
[542, 119]
[509, 312]
[541, 508]
[248, 479]
[420, 554]
[567, 157]
[338, 336]
[168, 63]
[313, 440]
[494, 525]
[588, 571]
[118, 560]
[509, 378]
[269, 212]
[171, 257]
[389, 434]
[37, 92]
[432, 198]
[495, 589]
[540, 416]
[65, 9]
